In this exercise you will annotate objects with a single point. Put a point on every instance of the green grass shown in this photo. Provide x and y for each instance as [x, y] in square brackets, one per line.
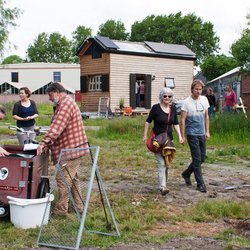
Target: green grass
[124, 158]
[206, 211]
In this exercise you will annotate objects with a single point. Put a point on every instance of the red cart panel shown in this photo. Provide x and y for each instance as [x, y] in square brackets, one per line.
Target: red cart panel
[20, 173]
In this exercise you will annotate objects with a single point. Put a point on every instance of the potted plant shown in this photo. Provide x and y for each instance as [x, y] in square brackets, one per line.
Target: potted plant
[121, 103]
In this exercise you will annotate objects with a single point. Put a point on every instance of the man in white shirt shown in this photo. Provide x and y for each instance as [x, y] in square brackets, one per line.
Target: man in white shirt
[195, 124]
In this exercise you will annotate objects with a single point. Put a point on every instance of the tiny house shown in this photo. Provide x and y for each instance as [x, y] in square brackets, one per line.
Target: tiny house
[115, 70]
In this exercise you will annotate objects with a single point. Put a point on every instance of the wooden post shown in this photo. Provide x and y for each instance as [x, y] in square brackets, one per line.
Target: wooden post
[243, 107]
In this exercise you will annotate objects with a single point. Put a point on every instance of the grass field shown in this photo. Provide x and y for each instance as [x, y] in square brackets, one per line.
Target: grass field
[129, 171]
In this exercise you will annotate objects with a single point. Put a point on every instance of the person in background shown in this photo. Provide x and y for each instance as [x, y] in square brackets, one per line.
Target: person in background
[195, 124]
[159, 114]
[25, 112]
[230, 100]
[137, 93]
[142, 93]
[65, 132]
[3, 152]
[212, 102]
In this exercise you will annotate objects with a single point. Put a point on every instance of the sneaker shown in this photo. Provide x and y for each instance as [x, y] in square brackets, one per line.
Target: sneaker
[187, 179]
[202, 188]
[164, 191]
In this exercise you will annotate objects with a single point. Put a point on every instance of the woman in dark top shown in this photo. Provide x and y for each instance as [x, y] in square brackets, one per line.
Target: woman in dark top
[212, 101]
[159, 114]
[25, 112]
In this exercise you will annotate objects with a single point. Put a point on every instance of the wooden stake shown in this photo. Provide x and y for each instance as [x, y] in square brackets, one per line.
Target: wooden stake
[243, 107]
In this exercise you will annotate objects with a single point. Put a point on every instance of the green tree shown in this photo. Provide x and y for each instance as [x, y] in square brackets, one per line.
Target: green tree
[53, 48]
[214, 66]
[78, 36]
[188, 30]
[114, 30]
[241, 49]
[7, 20]
[13, 59]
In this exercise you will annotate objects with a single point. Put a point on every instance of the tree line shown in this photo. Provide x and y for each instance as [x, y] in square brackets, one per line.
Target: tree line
[190, 30]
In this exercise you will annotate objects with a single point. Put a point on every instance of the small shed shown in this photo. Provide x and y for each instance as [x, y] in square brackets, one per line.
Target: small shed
[240, 83]
[115, 70]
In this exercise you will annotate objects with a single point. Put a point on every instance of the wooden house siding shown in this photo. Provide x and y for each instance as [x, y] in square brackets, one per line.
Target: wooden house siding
[121, 66]
[245, 90]
[90, 67]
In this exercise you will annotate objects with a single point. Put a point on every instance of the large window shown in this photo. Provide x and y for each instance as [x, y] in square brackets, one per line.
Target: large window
[57, 76]
[14, 76]
[95, 83]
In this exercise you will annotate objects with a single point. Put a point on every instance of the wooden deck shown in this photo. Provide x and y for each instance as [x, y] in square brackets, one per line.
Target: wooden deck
[134, 112]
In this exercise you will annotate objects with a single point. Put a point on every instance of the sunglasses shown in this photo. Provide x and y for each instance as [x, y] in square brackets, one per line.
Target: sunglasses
[169, 96]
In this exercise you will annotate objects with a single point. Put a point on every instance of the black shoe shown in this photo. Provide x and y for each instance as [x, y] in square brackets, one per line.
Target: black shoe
[187, 179]
[202, 188]
[164, 191]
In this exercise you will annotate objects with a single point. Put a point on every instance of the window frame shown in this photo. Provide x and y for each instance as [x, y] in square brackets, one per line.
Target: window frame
[169, 82]
[14, 77]
[95, 83]
[57, 76]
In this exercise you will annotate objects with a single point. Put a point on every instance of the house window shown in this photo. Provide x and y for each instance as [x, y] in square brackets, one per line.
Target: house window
[14, 76]
[95, 83]
[169, 83]
[57, 76]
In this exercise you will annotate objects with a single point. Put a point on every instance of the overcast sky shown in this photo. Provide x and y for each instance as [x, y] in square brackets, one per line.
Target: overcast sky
[228, 17]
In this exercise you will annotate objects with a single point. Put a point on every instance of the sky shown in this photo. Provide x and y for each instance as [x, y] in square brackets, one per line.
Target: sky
[228, 17]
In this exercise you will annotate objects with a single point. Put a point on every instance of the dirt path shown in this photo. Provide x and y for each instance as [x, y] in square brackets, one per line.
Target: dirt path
[223, 182]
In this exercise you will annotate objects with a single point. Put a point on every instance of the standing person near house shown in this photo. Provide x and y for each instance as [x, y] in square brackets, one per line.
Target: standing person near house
[3, 152]
[212, 102]
[195, 124]
[160, 115]
[230, 100]
[142, 93]
[137, 93]
[25, 112]
[65, 132]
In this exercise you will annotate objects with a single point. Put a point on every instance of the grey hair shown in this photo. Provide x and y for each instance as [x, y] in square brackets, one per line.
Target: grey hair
[164, 91]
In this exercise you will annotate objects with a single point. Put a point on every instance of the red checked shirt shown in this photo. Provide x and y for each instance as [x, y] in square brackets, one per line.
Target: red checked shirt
[66, 131]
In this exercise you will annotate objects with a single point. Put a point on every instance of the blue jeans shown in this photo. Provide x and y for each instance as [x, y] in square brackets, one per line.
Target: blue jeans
[197, 145]
[211, 111]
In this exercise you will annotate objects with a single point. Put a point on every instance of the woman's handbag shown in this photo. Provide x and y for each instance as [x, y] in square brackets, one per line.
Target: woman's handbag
[161, 140]
[150, 144]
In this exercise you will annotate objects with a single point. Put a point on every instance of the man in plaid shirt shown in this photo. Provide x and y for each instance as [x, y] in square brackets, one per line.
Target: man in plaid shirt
[65, 132]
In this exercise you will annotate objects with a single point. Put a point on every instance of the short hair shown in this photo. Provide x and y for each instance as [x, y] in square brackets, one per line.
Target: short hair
[55, 87]
[2, 109]
[26, 91]
[164, 91]
[197, 82]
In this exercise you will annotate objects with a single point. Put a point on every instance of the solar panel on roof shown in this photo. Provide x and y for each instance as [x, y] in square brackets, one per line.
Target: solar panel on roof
[169, 48]
[132, 47]
[107, 42]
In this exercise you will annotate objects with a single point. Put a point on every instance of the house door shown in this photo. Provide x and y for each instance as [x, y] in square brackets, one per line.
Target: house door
[140, 91]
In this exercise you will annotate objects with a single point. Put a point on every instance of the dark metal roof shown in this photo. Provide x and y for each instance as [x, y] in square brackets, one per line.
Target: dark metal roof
[141, 48]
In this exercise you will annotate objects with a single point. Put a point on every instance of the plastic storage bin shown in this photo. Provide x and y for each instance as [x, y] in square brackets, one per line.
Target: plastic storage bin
[28, 213]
